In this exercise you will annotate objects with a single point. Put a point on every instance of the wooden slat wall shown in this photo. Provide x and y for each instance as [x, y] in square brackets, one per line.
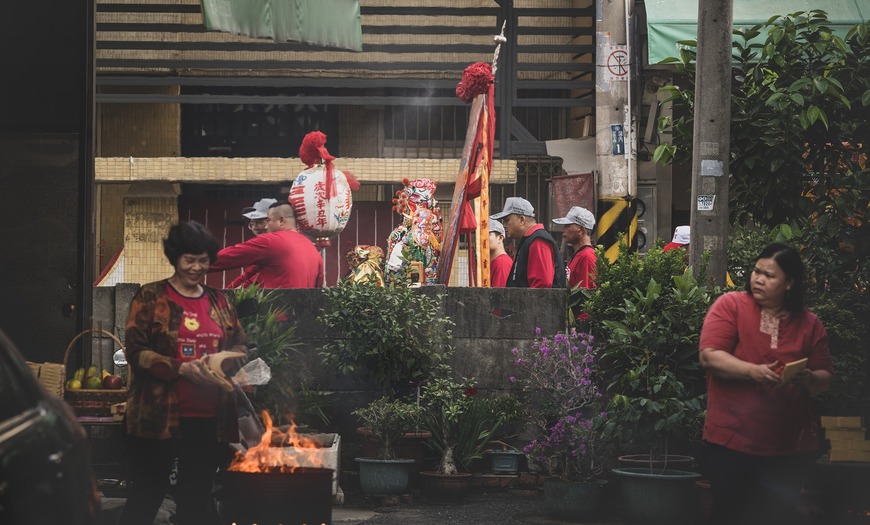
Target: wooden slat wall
[427, 39]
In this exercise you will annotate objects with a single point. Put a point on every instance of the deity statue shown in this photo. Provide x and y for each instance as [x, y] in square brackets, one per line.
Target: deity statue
[414, 245]
[366, 265]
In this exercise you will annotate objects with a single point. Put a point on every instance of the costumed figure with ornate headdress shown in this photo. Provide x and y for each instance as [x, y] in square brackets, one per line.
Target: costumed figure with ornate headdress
[418, 238]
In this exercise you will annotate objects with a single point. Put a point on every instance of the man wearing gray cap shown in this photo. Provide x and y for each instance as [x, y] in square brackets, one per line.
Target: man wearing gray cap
[538, 263]
[257, 216]
[499, 261]
[577, 232]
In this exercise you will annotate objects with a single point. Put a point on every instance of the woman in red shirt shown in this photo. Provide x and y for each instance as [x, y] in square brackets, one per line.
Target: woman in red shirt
[175, 407]
[760, 432]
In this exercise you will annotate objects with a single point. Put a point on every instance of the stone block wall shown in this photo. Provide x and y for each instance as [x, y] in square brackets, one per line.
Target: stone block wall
[488, 324]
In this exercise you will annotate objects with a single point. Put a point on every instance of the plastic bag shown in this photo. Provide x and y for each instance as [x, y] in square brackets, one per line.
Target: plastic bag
[254, 373]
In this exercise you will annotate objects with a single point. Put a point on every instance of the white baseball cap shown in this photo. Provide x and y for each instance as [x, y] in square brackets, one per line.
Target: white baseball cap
[578, 215]
[682, 235]
[260, 209]
[515, 205]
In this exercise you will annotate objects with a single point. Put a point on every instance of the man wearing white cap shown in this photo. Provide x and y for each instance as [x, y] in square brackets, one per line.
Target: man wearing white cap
[257, 216]
[285, 257]
[577, 232]
[682, 236]
[538, 263]
[499, 261]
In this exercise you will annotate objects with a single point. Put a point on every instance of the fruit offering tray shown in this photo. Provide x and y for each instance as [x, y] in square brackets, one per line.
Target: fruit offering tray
[92, 392]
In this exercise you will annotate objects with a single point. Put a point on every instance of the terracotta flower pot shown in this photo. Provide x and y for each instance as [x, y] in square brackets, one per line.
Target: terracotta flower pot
[445, 487]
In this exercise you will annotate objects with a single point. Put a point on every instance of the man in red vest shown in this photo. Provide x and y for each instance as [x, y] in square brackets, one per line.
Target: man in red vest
[538, 262]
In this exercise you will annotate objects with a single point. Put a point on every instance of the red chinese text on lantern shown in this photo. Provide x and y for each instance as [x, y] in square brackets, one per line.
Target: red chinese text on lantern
[315, 213]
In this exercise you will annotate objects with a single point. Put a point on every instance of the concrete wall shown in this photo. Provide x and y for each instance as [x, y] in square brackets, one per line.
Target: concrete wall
[488, 324]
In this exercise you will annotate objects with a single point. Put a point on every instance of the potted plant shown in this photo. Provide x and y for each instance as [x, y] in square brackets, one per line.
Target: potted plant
[573, 452]
[386, 419]
[272, 337]
[647, 316]
[649, 347]
[558, 374]
[395, 335]
[461, 422]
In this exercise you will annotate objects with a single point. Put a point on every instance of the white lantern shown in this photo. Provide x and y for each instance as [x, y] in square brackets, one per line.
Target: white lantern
[315, 213]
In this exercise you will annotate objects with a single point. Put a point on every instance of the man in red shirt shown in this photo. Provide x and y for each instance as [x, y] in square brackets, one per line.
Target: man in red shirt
[538, 263]
[499, 261]
[257, 216]
[578, 234]
[285, 257]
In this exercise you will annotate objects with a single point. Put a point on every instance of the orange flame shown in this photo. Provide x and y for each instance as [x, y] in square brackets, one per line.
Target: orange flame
[279, 451]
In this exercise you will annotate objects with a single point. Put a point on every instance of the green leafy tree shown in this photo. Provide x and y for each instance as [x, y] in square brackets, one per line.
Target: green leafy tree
[800, 122]
[800, 118]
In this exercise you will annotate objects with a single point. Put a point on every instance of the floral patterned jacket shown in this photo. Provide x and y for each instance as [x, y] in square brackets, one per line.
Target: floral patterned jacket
[152, 332]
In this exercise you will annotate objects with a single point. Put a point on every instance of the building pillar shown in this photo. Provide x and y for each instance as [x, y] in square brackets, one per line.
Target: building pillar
[150, 209]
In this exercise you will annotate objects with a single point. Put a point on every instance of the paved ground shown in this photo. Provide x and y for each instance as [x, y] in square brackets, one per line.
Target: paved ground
[497, 507]
[482, 506]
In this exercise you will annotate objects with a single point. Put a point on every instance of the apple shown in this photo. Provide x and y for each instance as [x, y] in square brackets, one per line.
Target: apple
[93, 383]
[113, 382]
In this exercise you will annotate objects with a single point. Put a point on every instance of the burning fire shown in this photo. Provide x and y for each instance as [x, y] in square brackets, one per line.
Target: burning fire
[279, 451]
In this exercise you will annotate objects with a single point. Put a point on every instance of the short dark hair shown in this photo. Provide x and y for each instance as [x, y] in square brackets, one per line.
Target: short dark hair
[288, 213]
[189, 237]
[790, 261]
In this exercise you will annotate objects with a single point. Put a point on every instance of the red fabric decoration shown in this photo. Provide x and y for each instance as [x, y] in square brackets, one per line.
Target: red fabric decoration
[352, 181]
[476, 79]
[313, 151]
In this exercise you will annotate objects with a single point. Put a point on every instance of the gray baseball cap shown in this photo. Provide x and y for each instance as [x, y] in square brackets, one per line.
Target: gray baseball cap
[515, 205]
[496, 226]
[578, 215]
[260, 209]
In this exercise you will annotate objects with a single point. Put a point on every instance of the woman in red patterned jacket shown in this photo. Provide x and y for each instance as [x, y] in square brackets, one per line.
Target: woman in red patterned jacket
[175, 407]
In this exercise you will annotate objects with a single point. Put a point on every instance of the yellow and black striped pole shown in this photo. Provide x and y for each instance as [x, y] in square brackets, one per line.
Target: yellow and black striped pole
[617, 220]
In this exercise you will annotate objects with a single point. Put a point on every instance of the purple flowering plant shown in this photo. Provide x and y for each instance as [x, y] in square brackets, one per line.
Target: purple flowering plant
[572, 449]
[558, 377]
[557, 373]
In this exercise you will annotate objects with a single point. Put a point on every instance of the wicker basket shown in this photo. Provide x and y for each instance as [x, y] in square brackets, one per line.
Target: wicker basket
[50, 375]
[93, 402]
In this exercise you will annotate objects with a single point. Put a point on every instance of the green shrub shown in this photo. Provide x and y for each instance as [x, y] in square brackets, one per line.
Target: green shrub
[395, 335]
[647, 317]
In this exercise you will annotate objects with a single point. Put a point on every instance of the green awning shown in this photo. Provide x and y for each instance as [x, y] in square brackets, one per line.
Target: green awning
[328, 23]
[669, 21]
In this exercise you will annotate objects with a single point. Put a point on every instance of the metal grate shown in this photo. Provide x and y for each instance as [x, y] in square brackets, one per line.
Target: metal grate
[534, 176]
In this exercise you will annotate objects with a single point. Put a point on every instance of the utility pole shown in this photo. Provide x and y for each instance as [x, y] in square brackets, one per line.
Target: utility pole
[615, 150]
[711, 142]
[612, 73]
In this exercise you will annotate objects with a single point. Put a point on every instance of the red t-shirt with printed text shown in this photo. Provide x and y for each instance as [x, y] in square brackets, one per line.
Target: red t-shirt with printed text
[198, 335]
